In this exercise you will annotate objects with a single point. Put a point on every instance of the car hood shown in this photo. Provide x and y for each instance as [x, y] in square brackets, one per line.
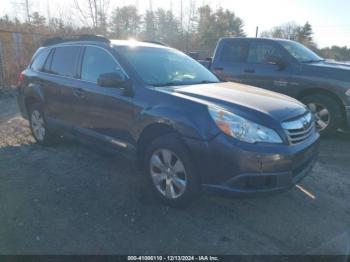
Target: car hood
[329, 69]
[250, 102]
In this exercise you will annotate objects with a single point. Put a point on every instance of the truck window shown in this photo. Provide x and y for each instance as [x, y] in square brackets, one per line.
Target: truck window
[234, 52]
[259, 52]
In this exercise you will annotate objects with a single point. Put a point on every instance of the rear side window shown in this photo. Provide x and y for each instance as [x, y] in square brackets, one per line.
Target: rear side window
[97, 61]
[234, 52]
[39, 59]
[64, 61]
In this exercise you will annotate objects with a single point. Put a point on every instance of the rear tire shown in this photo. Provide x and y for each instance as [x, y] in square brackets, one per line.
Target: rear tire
[38, 125]
[170, 171]
[327, 112]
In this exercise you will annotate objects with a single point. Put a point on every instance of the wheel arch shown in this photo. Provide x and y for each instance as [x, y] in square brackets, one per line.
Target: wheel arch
[319, 91]
[31, 100]
[32, 95]
[155, 130]
[148, 134]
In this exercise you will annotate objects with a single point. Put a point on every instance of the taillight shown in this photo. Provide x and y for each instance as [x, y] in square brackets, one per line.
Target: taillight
[20, 78]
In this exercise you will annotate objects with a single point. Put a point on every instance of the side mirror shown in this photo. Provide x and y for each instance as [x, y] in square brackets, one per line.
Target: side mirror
[275, 60]
[115, 79]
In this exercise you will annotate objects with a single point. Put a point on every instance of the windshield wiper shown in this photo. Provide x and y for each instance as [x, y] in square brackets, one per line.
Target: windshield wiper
[205, 82]
[183, 83]
[313, 61]
[168, 84]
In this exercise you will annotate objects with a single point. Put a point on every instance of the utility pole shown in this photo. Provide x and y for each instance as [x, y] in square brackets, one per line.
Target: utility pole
[26, 3]
[257, 32]
[181, 17]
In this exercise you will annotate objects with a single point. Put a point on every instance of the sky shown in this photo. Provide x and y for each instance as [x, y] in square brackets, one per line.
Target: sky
[330, 18]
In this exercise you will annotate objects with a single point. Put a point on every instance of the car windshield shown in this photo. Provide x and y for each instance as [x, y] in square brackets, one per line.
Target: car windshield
[165, 66]
[300, 52]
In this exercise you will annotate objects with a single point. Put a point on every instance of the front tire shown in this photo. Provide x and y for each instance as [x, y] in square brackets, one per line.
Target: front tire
[170, 171]
[327, 112]
[38, 125]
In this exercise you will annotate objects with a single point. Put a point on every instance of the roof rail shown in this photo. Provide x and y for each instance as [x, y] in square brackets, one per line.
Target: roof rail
[154, 42]
[58, 40]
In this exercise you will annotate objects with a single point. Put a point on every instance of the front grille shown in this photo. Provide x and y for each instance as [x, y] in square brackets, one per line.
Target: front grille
[299, 129]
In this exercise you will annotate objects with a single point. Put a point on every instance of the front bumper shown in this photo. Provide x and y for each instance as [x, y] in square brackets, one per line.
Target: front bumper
[231, 167]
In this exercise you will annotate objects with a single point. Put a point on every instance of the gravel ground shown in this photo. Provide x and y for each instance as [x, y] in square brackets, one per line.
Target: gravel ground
[73, 199]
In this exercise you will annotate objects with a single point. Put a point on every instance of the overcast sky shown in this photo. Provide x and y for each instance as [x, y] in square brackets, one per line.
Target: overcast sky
[330, 18]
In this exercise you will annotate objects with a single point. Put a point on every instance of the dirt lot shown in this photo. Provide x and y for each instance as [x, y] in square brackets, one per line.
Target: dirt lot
[73, 199]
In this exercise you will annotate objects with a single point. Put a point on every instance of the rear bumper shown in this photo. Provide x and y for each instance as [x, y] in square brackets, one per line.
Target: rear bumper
[21, 104]
[232, 168]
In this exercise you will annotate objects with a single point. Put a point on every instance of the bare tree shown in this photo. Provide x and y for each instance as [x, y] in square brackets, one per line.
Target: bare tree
[190, 22]
[93, 13]
[23, 7]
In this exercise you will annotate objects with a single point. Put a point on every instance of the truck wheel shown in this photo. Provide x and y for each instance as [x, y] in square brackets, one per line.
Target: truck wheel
[328, 115]
[39, 127]
[171, 171]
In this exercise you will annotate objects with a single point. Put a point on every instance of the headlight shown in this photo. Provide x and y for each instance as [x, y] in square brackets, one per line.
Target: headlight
[241, 128]
[348, 92]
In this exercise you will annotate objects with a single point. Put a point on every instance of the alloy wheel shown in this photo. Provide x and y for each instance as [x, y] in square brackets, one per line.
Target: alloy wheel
[168, 173]
[38, 125]
[322, 116]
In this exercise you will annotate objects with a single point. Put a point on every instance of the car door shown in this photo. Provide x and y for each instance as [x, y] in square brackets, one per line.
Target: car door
[260, 71]
[229, 60]
[61, 78]
[107, 110]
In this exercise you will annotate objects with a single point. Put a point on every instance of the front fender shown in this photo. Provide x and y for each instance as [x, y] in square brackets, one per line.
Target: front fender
[186, 122]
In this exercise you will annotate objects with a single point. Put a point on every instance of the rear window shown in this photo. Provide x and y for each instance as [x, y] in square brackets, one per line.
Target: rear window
[39, 59]
[64, 61]
[234, 51]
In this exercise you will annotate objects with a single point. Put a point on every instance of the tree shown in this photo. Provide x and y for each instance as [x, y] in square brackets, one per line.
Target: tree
[214, 25]
[306, 36]
[125, 22]
[37, 20]
[293, 31]
[336, 52]
[149, 31]
[167, 27]
[93, 13]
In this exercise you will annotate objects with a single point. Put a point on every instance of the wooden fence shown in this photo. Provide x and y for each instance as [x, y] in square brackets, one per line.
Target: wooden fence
[16, 50]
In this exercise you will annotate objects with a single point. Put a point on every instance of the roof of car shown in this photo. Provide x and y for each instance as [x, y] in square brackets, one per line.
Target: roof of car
[256, 38]
[99, 40]
[133, 42]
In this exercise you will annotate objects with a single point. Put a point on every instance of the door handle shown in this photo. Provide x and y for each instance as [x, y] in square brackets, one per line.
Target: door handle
[250, 71]
[218, 69]
[79, 92]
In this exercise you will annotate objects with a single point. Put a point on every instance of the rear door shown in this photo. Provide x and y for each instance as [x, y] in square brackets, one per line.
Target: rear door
[61, 79]
[229, 59]
[257, 71]
[106, 112]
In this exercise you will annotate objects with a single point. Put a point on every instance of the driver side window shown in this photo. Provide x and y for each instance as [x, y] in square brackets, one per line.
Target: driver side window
[97, 61]
[260, 52]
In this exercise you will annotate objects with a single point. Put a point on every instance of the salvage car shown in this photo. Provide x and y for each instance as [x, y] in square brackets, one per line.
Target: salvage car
[189, 131]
